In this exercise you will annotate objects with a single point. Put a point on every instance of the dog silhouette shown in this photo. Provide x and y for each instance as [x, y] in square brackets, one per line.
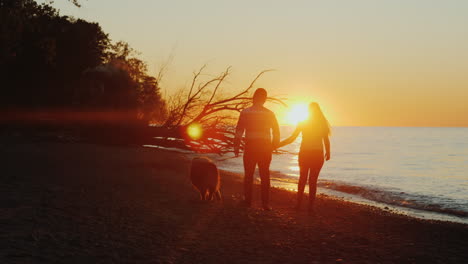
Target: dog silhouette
[205, 178]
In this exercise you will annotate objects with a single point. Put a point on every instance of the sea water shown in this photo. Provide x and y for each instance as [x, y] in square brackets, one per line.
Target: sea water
[405, 167]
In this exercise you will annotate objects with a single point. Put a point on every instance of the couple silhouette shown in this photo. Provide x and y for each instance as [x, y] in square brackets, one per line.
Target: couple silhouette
[262, 136]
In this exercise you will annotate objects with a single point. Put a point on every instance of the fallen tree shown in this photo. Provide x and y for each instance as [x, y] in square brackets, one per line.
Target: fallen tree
[203, 116]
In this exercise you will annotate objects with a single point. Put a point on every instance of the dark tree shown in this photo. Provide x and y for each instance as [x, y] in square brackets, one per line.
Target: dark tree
[43, 54]
[53, 63]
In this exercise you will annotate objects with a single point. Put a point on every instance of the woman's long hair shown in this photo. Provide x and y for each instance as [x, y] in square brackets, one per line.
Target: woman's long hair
[318, 119]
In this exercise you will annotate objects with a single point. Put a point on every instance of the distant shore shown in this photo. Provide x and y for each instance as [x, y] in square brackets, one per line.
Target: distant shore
[77, 203]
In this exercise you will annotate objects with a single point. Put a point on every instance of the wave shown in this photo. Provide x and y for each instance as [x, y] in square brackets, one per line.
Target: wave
[401, 199]
[388, 197]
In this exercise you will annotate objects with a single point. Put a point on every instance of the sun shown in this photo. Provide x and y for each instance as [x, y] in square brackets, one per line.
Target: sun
[297, 113]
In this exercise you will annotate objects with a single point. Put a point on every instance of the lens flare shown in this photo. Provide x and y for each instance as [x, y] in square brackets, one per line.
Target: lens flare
[195, 131]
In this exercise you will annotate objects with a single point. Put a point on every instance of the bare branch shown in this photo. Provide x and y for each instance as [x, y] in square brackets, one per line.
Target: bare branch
[194, 80]
[253, 82]
[221, 79]
[277, 100]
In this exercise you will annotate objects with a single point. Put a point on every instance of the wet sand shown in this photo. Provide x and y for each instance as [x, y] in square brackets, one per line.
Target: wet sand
[86, 203]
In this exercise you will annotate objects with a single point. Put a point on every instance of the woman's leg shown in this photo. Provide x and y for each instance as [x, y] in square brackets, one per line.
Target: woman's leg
[303, 173]
[313, 176]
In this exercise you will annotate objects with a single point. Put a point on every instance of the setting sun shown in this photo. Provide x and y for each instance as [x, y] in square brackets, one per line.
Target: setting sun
[297, 113]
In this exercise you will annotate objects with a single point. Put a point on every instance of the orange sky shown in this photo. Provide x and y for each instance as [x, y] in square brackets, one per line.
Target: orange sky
[368, 63]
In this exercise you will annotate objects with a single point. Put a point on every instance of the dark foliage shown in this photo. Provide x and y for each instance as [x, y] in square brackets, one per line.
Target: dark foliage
[50, 62]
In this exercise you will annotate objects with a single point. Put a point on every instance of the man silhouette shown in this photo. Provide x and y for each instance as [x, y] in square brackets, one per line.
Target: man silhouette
[258, 122]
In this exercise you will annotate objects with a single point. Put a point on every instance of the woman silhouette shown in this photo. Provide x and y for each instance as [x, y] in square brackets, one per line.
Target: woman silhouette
[315, 132]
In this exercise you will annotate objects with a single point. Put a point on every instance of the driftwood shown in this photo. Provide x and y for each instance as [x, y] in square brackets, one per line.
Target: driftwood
[205, 104]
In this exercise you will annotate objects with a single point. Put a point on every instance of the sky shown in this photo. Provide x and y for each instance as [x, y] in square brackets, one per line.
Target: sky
[366, 62]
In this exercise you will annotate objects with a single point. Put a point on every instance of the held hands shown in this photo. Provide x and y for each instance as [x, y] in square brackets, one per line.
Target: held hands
[274, 146]
[280, 144]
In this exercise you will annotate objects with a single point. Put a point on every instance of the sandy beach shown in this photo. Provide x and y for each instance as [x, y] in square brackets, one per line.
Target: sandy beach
[86, 203]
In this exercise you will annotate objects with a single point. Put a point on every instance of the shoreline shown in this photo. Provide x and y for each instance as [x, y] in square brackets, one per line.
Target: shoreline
[78, 203]
[397, 209]
[286, 184]
[355, 199]
[335, 195]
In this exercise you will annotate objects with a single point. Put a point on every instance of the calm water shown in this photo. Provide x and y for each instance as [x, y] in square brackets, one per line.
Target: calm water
[419, 168]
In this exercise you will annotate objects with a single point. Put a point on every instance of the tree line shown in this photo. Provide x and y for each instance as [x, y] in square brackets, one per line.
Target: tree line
[50, 62]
